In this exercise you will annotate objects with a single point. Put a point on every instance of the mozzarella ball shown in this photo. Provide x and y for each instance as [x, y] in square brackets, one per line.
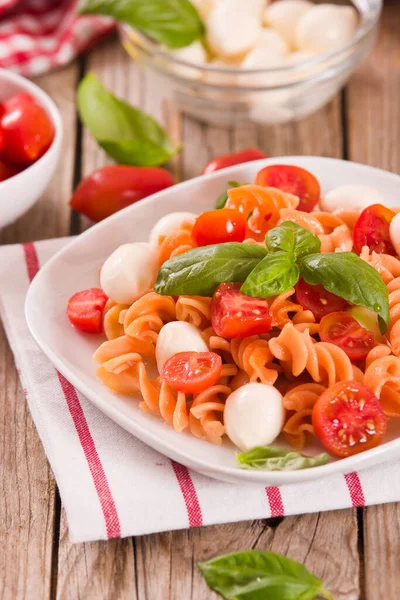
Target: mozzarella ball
[326, 27]
[350, 196]
[395, 232]
[234, 26]
[284, 16]
[176, 337]
[272, 40]
[254, 415]
[129, 272]
[169, 224]
[195, 54]
[262, 58]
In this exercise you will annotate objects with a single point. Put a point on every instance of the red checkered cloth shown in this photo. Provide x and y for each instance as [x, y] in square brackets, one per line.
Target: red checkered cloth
[39, 35]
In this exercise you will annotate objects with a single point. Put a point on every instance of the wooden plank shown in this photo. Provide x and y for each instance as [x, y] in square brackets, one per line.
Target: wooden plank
[27, 502]
[94, 571]
[374, 133]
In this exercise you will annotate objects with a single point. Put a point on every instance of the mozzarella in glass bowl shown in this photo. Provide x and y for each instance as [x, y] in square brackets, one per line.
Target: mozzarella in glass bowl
[264, 62]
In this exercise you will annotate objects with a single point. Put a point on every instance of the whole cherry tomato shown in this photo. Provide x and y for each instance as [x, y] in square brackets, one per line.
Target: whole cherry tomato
[109, 189]
[27, 130]
[235, 315]
[317, 299]
[228, 160]
[372, 230]
[192, 372]
[219, 226]
[85, 310]
[348, 418]
[341, 329]
[293, 180]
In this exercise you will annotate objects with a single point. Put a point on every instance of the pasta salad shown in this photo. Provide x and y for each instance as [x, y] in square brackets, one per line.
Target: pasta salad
[276, 314]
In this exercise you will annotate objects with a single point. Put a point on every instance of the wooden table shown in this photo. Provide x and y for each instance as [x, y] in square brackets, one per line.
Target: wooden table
[355, 551]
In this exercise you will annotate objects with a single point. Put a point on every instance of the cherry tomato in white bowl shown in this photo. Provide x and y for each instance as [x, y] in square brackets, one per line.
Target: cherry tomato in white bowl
[22, 184]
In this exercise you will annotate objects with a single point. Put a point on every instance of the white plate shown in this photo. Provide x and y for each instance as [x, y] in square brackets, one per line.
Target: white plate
[76, 267]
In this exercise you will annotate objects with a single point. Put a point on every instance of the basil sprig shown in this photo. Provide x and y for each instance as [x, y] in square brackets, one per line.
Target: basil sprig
[351, 278]
[292, 238]
[273, 458]
[173, 23]
[259, 574]
[223, 198]
[276, 273]
[291, 251]
[198, 272]
[279, 270]
[126, 133]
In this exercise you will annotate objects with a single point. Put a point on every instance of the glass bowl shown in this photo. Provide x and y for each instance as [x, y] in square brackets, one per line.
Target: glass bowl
[226, 95]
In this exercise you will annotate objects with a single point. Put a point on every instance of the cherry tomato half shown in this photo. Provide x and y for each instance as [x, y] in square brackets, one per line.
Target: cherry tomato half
[228, 160]
[317, 299]
[85, 310]
[341, 329]
[372, 230]
[293, 180]
[235, 315]
[109, 189]
[192, 372]
[27, 129]
[219, 226]
[7, 170]
[348, 419]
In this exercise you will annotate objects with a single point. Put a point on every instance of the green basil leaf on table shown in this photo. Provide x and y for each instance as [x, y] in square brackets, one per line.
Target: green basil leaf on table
[198, 272]
[351, 278]
[261, 575]
[173, 23]
[223, 198]
[275, 274]
[126, 133]
[294, 238]
[273, 458]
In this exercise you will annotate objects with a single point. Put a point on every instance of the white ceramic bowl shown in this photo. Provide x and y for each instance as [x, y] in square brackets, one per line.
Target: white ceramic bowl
[20, 192]
[76, 268]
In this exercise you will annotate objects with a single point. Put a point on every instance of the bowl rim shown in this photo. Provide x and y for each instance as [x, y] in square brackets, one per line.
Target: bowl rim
[51, 108]
[369, 20]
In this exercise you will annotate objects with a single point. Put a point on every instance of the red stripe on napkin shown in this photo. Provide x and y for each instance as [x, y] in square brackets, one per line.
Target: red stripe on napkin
[31, 259]
[88, 446]
[94, 463]
[275, 501]
[355, 489]
[189, 494]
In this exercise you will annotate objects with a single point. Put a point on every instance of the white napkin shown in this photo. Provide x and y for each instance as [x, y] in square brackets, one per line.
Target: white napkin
[113, 485]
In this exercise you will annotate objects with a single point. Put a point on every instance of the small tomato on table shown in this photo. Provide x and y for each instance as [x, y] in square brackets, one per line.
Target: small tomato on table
[109, 189]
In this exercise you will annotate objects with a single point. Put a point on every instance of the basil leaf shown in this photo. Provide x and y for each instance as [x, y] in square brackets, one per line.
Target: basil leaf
[273, 458]
[261, 575]
[198, 272]
[351, 278]
[275, 274]
[173, 23]
[126, 133]
[294, 238]
[222, 198]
